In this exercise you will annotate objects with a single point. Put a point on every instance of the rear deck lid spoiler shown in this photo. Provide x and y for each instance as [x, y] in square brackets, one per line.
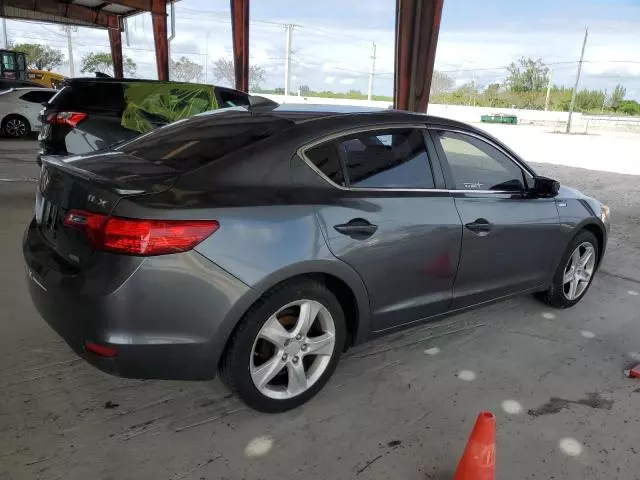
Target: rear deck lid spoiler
[120, 173]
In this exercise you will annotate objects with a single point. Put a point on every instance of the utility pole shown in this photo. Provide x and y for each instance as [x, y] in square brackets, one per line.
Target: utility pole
[546, 102]
[604, 101]
[4, 32]
[287, 59]
[70, 51]
[575, 88]
[372, 73]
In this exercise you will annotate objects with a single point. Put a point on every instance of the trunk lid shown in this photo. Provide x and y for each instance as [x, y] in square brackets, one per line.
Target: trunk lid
[91, 183]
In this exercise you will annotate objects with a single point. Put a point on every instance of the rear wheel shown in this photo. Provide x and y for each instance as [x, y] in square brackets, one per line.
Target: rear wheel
[286, 347]
[16, 126]
[575, 272]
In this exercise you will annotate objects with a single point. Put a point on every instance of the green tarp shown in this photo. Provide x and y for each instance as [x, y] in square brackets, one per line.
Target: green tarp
[150, 105]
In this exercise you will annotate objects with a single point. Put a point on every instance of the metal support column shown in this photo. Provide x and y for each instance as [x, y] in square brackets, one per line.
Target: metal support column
[240, 32]
[115, 41]
[159, 18]
[417, 28]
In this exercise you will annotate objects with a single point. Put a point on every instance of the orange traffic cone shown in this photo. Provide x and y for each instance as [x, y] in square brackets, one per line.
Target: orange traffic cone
[478, 461]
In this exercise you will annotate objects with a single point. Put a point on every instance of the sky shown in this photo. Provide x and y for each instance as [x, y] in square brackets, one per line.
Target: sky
[333, 40]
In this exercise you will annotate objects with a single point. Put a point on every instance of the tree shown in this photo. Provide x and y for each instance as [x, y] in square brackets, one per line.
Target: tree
[101, 62]
[40, 57]
[184, 70]
[441, 83]
[304, 90]
[617, 97]
[527, 75]
[223, 71]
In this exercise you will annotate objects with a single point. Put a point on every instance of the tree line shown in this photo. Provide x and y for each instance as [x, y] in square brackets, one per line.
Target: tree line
[182, 69]
[526, 87]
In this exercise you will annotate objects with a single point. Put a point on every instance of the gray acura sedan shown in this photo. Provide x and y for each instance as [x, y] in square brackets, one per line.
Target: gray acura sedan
[262, 244]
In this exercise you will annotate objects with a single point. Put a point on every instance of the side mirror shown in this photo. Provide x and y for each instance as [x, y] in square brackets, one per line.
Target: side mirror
[545, 187]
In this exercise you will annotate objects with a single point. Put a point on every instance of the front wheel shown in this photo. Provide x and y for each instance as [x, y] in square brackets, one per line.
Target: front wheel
[286, 347]
[575, 272]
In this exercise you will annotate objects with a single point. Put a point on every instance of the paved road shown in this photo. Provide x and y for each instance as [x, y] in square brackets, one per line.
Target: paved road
[391, 410]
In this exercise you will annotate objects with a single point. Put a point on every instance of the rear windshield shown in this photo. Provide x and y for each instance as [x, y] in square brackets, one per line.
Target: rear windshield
[90, 97]
[191, 143]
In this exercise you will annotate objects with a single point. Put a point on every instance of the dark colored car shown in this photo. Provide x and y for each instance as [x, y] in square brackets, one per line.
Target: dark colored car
[90, 114]
[265, 244]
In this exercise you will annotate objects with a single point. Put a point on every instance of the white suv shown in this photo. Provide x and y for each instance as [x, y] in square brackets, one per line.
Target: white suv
[20, 110]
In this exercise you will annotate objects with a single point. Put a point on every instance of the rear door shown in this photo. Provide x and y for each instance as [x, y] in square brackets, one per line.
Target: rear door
[390, 222]
[31, 104]
[509, 238]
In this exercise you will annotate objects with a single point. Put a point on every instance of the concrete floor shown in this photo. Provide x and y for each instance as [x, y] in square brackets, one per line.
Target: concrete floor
[399, 408]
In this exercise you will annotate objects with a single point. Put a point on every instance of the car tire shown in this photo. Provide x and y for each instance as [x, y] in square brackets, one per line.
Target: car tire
[559, 293]
[16, 126]
[250, 358]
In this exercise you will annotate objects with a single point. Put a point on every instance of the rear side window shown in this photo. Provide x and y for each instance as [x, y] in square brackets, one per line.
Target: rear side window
[229, 98]
[325, 157]
[394, 158]
[37, 96]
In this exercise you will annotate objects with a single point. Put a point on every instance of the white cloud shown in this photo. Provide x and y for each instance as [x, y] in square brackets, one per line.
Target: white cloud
[329, 80]
[347, 81]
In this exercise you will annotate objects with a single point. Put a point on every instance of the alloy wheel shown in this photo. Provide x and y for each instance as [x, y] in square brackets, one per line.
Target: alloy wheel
[15, 127]
[578, 271]
[292, 349]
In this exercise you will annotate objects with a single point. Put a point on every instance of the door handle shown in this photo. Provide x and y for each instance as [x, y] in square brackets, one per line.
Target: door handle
[481, 226]
[357, 228]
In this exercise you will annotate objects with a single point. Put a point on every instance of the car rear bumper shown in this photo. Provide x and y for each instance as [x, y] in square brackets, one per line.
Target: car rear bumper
[168, 316]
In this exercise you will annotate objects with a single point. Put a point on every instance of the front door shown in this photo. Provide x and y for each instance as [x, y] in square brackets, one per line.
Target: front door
[509, 238]
[390, 223]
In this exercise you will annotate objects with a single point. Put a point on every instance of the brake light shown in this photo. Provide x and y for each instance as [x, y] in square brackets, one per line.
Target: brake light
[140, 237]
[66, 118]
[106, 351]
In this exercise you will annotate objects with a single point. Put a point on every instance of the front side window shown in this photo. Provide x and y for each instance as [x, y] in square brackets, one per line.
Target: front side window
[394, 158]
[477, 165]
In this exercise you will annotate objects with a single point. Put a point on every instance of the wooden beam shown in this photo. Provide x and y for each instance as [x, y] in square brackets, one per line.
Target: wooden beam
[240, 32]
[159, 20]
[115, 41]
[70, 11]
[144, 5]
[417, 29]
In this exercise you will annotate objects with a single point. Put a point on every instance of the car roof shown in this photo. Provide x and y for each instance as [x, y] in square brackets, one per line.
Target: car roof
[40, 89]
[81, 80]
[302, 113]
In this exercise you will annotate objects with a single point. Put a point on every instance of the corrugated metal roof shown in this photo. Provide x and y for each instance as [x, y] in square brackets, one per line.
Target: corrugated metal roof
[56, 11]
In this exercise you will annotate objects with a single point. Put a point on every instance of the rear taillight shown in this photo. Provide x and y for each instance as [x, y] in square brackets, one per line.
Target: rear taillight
[140, 237]
[107, 351]
[71, 119]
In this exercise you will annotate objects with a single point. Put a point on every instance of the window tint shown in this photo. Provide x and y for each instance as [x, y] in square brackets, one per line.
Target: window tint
[37, 96]
[387, 159]
[230, 98]
[476, 165]
[326, 158]
[189, 143]
[91, 97]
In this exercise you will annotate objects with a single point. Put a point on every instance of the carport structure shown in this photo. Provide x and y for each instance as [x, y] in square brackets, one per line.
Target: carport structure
[417, 27]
